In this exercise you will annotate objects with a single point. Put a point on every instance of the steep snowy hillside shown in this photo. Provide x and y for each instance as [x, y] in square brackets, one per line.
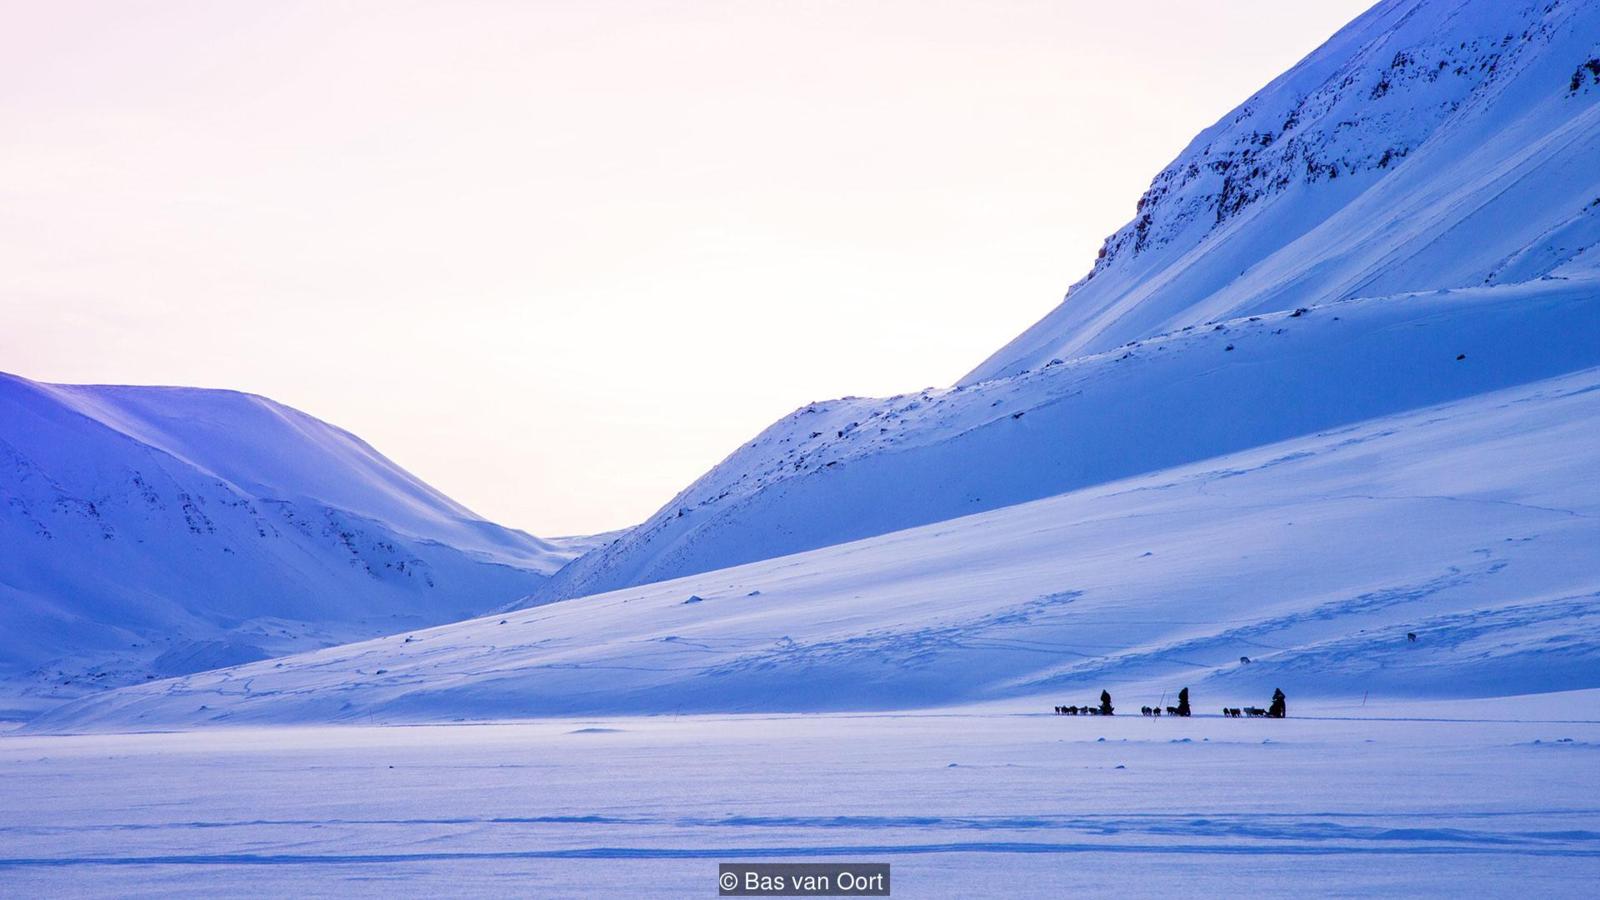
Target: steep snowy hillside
[1430, 144]
[152, 531]
[854, 468]
[1472, 525]
[1433, 161]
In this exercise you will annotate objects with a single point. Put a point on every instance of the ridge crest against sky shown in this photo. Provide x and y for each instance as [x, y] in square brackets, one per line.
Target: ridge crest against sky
[559, 261]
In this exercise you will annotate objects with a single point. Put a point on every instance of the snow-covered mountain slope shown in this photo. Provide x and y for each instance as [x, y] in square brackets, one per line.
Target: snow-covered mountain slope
[1438, 155]
[854, 468]
[1429, 144]
[1473, 525]
[151, 531]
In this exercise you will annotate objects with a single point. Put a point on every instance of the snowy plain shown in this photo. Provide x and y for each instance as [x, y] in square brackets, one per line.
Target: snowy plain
[1415, 798]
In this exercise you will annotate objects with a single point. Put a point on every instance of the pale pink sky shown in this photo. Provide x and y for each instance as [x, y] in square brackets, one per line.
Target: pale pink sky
[560, 258]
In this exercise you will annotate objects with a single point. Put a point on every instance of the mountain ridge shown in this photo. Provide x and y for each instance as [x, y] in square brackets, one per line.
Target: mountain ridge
[855, 468]
[1259, 210]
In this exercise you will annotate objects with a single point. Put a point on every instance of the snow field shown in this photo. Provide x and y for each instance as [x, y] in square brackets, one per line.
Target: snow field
[1429, 799]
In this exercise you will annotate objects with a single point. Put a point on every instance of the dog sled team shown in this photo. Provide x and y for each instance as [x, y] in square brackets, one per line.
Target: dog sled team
[1278, 709]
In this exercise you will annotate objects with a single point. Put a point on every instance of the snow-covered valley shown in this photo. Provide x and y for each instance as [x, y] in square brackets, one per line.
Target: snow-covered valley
[1323, 417]
[1472, 525]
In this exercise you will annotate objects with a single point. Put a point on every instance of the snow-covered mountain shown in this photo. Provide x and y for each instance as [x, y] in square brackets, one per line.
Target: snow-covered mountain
[855, 468]
[1430, 144]
[1472, 525]
[1427, 160]
[151, 531]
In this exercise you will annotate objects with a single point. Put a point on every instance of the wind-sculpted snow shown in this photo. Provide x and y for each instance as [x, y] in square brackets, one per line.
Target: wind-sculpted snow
[1471, 525]
[1430, 144]
[854, 468]
[153, 531]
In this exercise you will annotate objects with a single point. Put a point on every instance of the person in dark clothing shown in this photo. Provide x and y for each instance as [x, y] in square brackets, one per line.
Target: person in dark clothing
[1279, 708]
[1105, 703]
[1183, 702]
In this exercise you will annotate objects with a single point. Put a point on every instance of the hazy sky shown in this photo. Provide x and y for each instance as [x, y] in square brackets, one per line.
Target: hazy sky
[560, 258]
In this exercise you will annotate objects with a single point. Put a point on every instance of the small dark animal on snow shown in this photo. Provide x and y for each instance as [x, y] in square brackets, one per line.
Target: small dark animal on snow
[1411, 636]
[1172, 710]
[1254, 711]
[1244, 660]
